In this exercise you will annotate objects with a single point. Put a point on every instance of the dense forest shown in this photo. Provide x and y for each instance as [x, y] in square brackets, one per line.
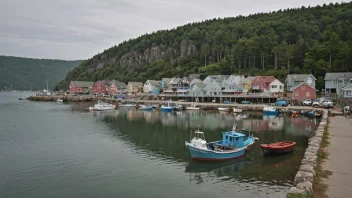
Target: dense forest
[302, 40]
[27, 73]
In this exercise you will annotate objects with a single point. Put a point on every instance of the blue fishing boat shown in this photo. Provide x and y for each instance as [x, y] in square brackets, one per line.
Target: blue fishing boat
[168, 108]
[270, 110]
[311, 114]
[233, 145]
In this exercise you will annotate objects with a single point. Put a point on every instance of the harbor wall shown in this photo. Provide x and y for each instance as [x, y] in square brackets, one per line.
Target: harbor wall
[304, 179]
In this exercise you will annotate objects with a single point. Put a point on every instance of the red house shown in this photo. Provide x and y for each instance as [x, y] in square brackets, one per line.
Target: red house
[303, 91]
[80, 87]
[261, 83]
[101, 87]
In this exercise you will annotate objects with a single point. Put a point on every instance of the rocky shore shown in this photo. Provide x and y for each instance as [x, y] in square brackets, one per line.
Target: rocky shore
[304, 179]
[67, 98]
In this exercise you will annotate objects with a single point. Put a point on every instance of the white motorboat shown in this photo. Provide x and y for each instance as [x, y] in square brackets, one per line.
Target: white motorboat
[237, 110]
[270, 110]
[59, 100]
[192, 107]
[102, 106]
[223, 109]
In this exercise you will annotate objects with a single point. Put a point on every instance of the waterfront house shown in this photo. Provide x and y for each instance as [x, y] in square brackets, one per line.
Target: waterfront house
[173, 84]
[213, 88]
[247, 84]
[293, 80]
[80, 87]
[276, 87]
[164, 82]
[234, 83]
[117, 87]
[195, 80]
[101, 87]
[198, 89]
[303, 91]
[346, 91]
[261, 83]
[134, 87]
[183, 86]
[150, 86]
[216, 78]
[335, 82]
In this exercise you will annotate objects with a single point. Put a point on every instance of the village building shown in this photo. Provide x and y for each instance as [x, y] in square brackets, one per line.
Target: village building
[293, 80]
[247, 84]
[276, 86]
[117, 87]
[336, 82]
[261, 84]
[150, 86]
[80, 87]
[134, 87]
[101, 87]
[303, 91]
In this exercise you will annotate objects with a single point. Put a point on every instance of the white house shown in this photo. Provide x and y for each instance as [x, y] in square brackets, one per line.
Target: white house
[213, 88]
[346, 92]
[150, 85]
[216, 78]
[235, 81]
[276, 86]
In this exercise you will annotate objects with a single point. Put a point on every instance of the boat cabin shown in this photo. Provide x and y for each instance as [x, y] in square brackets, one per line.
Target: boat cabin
[233, 139]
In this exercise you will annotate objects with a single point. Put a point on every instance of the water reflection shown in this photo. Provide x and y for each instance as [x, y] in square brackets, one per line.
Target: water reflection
[161, 136]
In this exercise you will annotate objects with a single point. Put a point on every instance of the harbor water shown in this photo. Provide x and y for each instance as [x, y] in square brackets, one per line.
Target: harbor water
[50, 149]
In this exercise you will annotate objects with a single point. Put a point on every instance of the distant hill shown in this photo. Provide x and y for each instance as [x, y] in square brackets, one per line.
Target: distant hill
[301, 40]
[22, 73]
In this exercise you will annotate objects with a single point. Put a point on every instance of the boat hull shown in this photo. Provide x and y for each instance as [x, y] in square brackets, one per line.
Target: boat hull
[104, 109]
[146, 108]
[192, 108]
[223, 109]
[276, 149]
[166, 109]
[210, 155]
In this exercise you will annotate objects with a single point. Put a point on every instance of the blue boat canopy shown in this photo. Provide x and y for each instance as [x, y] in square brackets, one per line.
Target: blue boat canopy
[233, 134]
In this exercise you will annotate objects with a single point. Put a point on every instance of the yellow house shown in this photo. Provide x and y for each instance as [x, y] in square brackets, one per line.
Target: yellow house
[247, 84]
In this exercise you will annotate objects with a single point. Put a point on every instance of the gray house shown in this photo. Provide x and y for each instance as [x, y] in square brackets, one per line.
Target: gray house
[216, 78]
[213, 88]
[198, 89]
[335, 82]
[293, 80]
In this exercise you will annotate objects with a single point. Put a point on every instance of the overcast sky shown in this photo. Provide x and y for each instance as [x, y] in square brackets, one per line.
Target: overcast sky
[79, 29]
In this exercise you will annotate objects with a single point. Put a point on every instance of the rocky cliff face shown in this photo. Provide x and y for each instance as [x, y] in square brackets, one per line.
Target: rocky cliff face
[141, 58]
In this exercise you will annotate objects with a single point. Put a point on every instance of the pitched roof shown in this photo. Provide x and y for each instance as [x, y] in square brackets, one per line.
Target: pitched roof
[337, 75]
[277, 81]
[298, 77]
[119, 84]
[136, 84]
[166, 80]
[219, 77]
[82, 83]
[174, 80]
[293, 88]
[200, 85]
[192, 76]
[251, 77]
[349, 86]
[105, 82]
[267, 79]
[153, 82]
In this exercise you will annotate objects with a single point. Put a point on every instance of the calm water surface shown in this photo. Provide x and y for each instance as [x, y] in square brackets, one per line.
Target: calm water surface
[61, 150]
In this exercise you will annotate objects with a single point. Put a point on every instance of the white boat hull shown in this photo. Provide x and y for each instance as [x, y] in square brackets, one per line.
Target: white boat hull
[192, 108]
[223, 109]
[237, 110]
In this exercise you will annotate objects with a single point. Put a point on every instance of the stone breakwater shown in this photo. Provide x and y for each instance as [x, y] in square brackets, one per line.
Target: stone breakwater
[304, 179]
[64, 98]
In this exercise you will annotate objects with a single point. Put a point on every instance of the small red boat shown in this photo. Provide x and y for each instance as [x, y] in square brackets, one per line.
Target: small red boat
[278, 147]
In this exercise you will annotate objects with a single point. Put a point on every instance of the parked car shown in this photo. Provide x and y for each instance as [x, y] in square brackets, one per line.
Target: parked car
[307, 102]
[281, 103]
[315, 103]
[327, 104]
[120, 97]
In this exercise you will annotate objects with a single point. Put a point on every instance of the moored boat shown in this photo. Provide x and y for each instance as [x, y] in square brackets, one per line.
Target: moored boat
[127, 105]
[167, 108]
[278, 147]
[59, 100]
[223, 109]
[193, 107]
[102, 106]
[145, 107]
[237, 110]
[270, 110]
[233, 145]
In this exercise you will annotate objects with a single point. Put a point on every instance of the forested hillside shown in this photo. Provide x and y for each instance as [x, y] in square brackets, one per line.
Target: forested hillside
[303, 40]
[26, 73]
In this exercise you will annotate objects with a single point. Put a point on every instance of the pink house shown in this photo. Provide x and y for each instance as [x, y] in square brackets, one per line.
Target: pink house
[80, 87]
[261, 83]
[303, 91]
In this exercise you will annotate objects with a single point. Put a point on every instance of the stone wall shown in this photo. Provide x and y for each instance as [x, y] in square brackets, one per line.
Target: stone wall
[303, 182]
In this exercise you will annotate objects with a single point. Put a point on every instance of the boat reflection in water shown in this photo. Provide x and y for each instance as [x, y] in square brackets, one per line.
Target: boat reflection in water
[198, 171]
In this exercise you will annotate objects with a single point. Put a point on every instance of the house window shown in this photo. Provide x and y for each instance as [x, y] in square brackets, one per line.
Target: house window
[274, 86]
[263, 85]
[280, 86]
[340, 81]
[349, 93]
[79, 89]
[351, 80]
[308, 94]
[303, 87]
[296, 94]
